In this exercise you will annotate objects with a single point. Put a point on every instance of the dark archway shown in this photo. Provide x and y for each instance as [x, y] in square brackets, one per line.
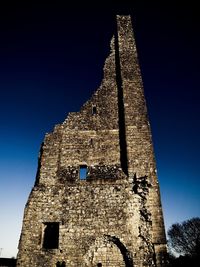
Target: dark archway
[125, 253]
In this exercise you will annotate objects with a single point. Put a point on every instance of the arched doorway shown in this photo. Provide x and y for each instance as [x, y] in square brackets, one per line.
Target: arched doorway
[108, 251]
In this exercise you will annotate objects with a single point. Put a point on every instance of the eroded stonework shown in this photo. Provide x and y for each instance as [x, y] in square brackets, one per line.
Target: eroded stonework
[96, 197]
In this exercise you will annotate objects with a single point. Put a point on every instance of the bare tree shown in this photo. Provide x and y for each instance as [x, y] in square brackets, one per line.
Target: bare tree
[184, 238]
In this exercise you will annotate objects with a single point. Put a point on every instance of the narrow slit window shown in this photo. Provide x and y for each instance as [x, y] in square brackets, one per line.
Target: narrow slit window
[51, 235]
[94, 110]
[83, 172]
[91, 142]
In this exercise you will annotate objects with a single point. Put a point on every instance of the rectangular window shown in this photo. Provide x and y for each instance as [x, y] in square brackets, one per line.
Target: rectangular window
[83, 172]
[51, 235]
[94, 110]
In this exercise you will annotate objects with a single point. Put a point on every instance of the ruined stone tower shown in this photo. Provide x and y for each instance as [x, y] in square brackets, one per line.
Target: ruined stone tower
[96, 198]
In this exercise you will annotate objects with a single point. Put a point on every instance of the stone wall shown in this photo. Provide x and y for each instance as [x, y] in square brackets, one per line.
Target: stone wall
[89, 212]
[112, 216]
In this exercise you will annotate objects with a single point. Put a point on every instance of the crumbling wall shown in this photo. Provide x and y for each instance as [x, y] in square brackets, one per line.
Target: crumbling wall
[113, 216]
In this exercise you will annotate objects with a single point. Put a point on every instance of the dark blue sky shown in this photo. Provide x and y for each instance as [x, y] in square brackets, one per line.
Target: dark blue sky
[51, 60]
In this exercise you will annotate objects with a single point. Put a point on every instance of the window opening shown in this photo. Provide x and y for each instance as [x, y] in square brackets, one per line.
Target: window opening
[99, 264]
[60, 264]
[94, 110]
[91, 142]
[51, 235]
[83, 172]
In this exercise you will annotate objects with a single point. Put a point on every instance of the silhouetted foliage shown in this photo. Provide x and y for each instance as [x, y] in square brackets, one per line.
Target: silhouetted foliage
[184, 238]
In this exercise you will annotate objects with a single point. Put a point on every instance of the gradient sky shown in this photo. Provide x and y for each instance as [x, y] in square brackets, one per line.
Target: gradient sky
[51, 60]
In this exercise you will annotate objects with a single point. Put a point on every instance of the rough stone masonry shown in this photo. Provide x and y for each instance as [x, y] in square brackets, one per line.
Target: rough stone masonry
[96, 198]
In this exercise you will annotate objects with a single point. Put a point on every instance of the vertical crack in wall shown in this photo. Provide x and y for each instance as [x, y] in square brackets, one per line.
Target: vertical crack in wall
[121, 112]
[141, 187]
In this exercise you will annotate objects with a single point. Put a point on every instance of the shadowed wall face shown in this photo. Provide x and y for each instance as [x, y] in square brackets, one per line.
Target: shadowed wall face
[96, 199]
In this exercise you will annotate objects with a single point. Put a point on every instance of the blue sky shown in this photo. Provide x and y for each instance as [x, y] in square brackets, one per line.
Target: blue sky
[51, 60]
